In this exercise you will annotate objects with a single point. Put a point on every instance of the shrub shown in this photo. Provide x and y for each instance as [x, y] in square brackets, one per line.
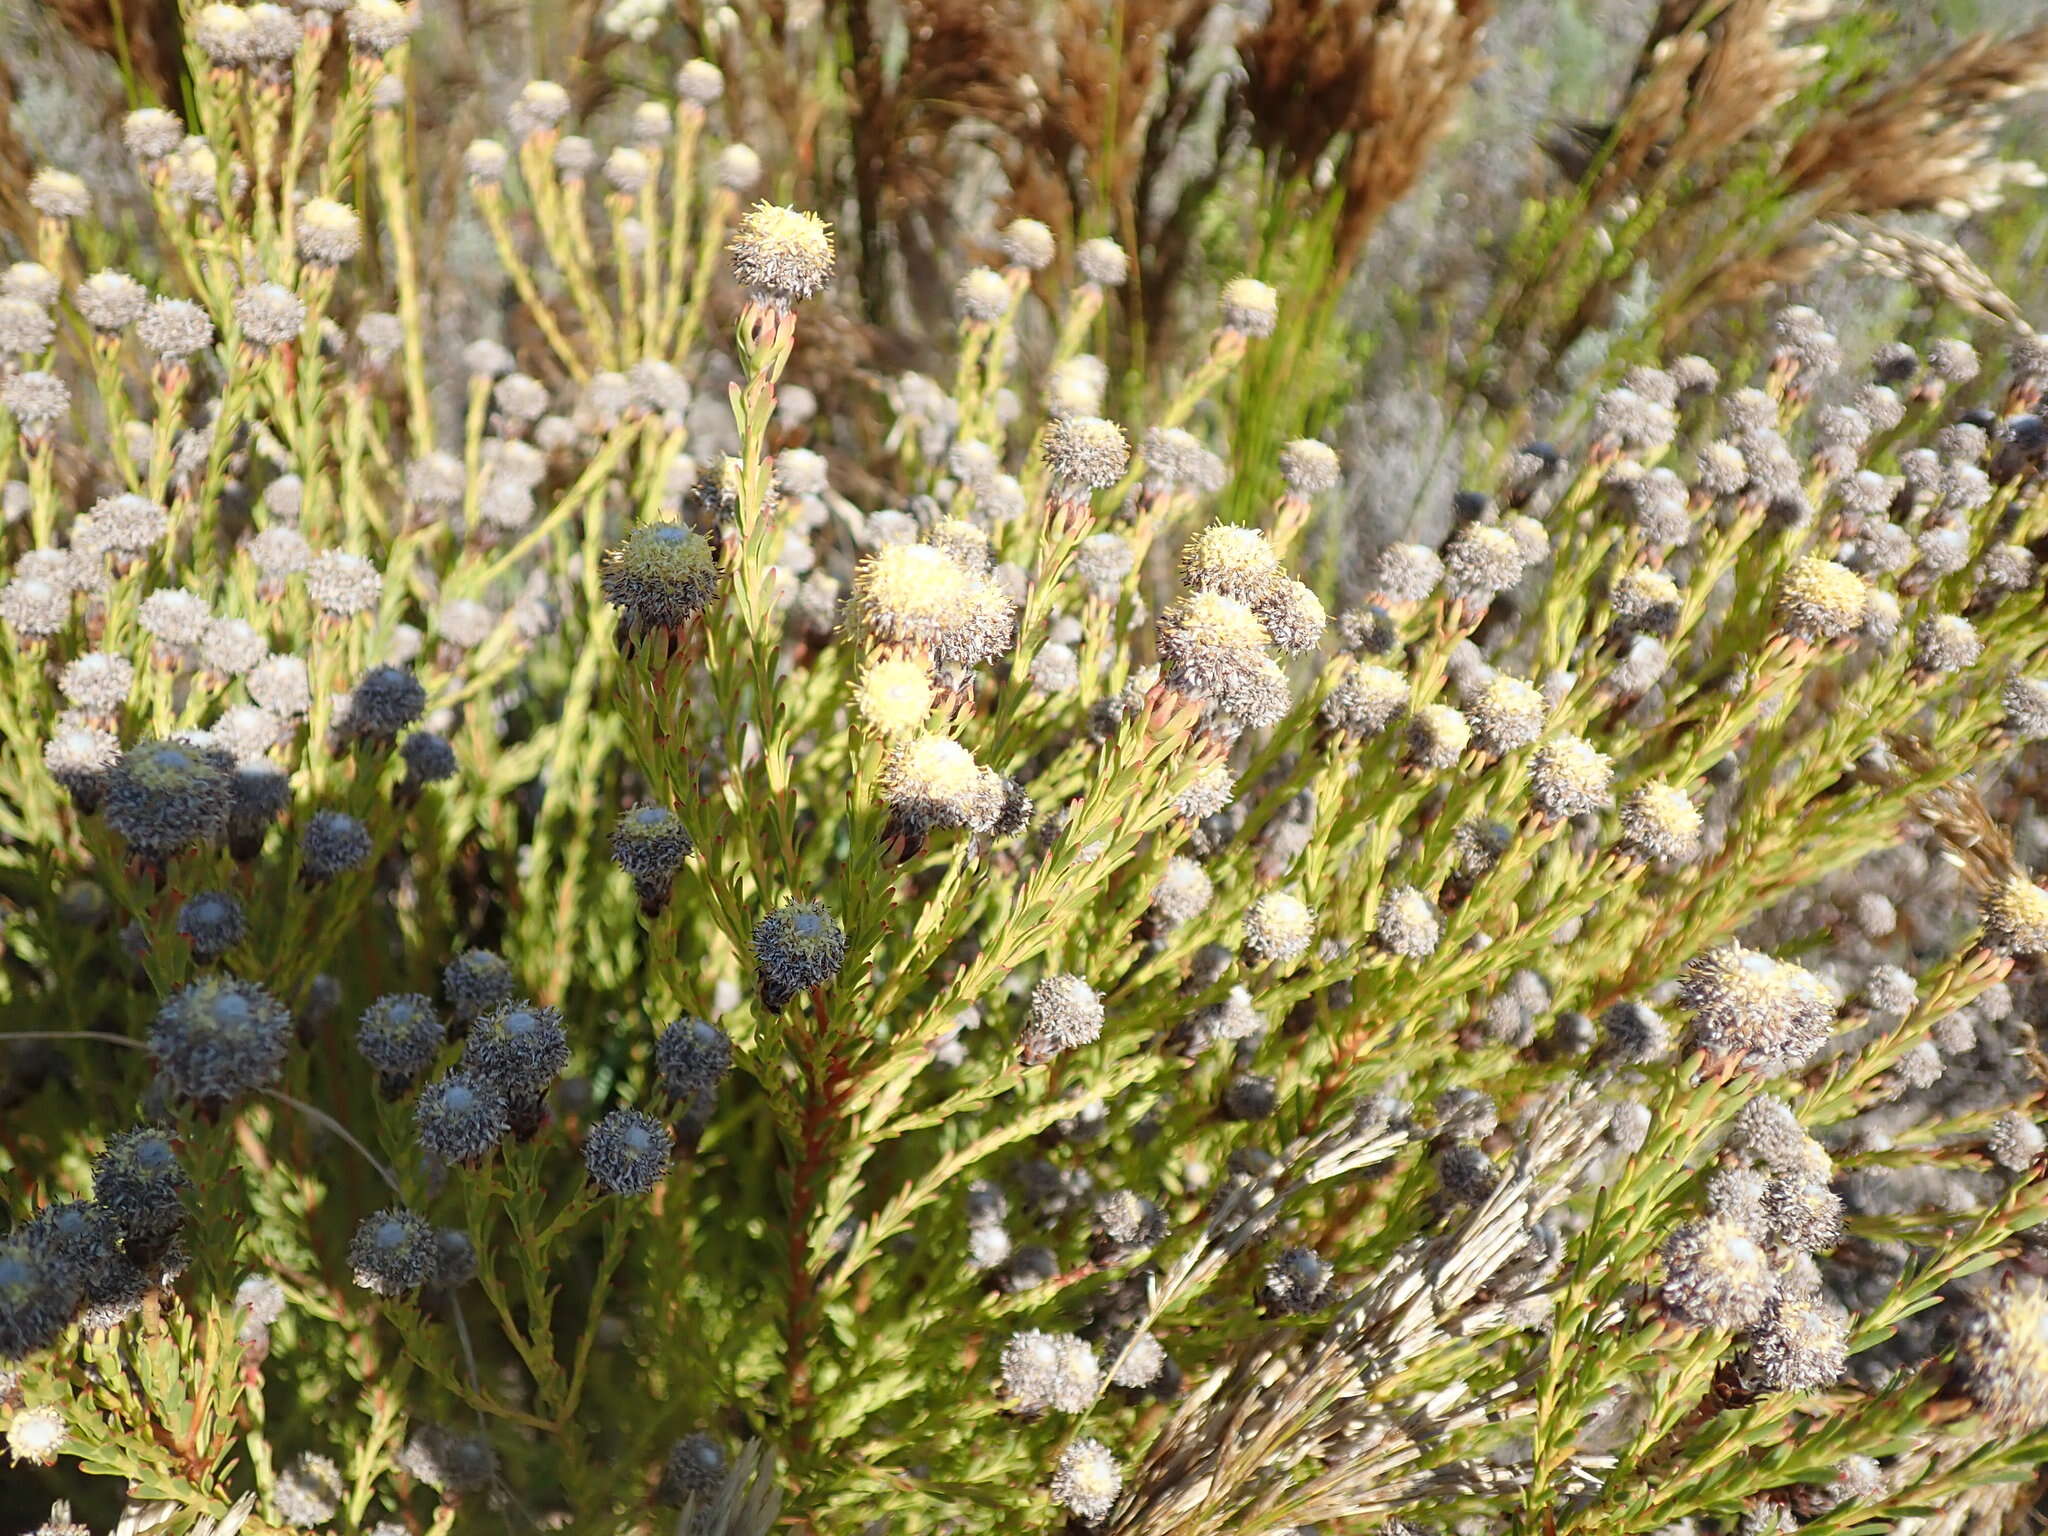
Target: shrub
[570, 965]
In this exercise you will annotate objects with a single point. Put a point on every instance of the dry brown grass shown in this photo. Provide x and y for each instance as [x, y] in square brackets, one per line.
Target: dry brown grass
[1367, 88]
[1925, 144]
[1937, 267]
[1123, 117]
[1705, 110]
[962, 63]
[146, 30]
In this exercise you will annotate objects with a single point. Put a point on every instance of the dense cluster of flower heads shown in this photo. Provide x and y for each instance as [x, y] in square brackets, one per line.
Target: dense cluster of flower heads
[678, 989]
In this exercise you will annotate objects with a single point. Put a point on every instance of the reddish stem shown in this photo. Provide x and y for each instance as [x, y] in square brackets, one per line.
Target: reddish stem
[826, 1097]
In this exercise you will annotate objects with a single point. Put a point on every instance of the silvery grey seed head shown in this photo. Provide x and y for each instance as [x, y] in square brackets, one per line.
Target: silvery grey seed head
[1954, 359]
[2015, 1142]
[487, 359]
[458, 1117]
[37, 400]
[40, 1292]
[781, 255]
[233, 647]
[343, 584]
[1250, 308]
[448, 1462]
[1102, 262]
[308, 1492]
[1027, 243]
[797, 947]
[139, 1179]
[259, 1301]
[175, 616]
[476, 981]
[574, 157]
[1297, 1280]
[164, 797]
[1766, 1013]
[1087, 1481]
[333, 843]
[1716, 1274]
[328, 232]
[700, 82]
[982, 296]
[380, 335]
[269, 314]
[2026, 707]
[1085, 452]
[81, 759]
[278, 552]
[1048, 1370]
[281, 685]
[518, 1047]
[97, 682]
[31, 281]
[217, 1038]
[1065, 1013]
[212, 922]
[1407, 923]
[1309, 467]
[435, 479]
[376, 27]
[400, 1034]
[692, 1056]
[520, 397]
[384, 701]
[26, 327]
[151, 133]
[258, 796]
[393, 1252]
[627, 1152]
[429, 758]
[59, 194]
[695, 1468]
[1801, 1344]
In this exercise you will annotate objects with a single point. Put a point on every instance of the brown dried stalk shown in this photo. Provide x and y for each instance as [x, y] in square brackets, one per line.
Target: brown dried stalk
[1926, 143]
[1971, 836]
[1119, 82]
[1934, 265]
[1298, 1431]
[962, 64]
[147, 30]
[1375, 84]
[1710, 74]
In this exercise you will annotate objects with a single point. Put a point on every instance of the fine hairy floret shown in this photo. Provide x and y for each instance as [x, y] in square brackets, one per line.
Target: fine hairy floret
[797, 947]
[1716, 1275]
[1087, 1480]
[628, 1152]
[393, 1252]
[216, 1038]
[518, 1048]
[781, 255]
[661, 576]
[460, 1117]
[1065, 1013]
[650, 843]
[164, 797]
[1765, 1013]
[930, 782]
[400, 1034]
[693, 1057]
[2002, 1357]
[914, 595]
